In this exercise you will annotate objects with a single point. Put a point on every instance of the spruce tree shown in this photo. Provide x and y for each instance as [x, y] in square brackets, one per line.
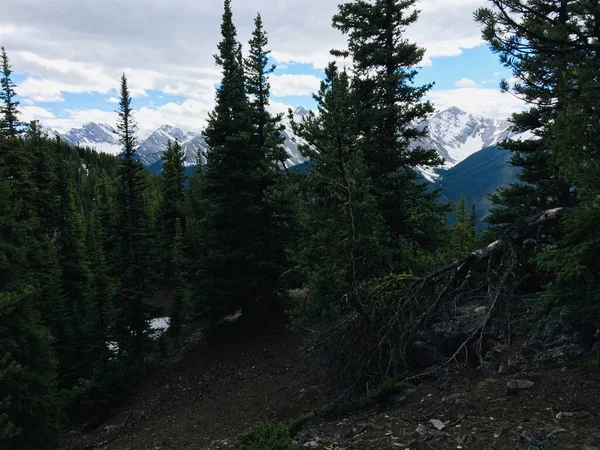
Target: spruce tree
[550, 47]
[346, 241]
[173, 185]
[132, 267]
[9, 125]
[529, 37]
[388, 107]
[266, 136]
[28, 402]
[178, 263]
[234, 270]
[463, 232]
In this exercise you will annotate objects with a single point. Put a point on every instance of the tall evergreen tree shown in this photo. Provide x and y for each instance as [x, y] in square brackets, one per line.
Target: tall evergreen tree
[9, 125]
[133, 270]
[552, 49]
[527, 36]
[179, 266]
[173, 185]
[463, 232]
[388, 107]
[346, 241]
[267, 136]
[236, 269]
[28, 403]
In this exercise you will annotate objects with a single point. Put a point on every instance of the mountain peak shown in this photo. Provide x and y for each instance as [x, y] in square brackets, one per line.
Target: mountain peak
[454, 110]
[300, 111]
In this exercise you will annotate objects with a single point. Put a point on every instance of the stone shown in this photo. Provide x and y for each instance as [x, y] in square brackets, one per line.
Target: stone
[535, 442]
[558, 342]
[515, 386]
[437, 424]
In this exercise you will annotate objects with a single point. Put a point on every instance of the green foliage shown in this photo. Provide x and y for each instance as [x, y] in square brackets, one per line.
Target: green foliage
[267, 436]
[9, 125]
[132, 227]
[345, 241]
[172, 198]
[179, 280]
[387, 106]
[545, 45]
[463, 233]
[239, 217]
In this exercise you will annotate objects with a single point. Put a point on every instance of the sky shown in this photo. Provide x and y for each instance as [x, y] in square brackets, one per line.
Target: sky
[68, 55]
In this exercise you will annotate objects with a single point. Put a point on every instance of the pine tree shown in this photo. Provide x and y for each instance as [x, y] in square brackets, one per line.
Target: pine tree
[133, 270]
[236, 269]
[463, 232]
[9, 125]
[552, 51]
[529, 38]
[388, 106]
[267, 136]
[173, 184]
[346, 242]
[179, 280]
[28, 402]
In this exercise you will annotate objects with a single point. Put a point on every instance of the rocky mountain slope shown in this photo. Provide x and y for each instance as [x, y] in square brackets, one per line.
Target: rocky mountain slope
[455, 135]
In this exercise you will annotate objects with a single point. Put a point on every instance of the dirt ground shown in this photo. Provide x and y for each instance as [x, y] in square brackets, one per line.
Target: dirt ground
[218, 391]
[560, 411]
[223, 387]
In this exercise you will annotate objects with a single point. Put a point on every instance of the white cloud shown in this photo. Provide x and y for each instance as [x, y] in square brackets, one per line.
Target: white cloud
[29, 113]
[112, 100]
[466, 83]
[168, 46]
[291, 85]
[479, 101]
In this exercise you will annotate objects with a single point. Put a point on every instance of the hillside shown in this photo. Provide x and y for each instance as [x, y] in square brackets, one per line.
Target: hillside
[476, 177]
[220, 388]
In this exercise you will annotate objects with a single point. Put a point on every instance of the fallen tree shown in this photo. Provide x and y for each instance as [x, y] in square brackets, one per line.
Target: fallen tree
[406, 327]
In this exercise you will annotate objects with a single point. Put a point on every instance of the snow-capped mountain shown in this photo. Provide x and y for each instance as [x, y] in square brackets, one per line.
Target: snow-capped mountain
[100, 136]
[455, 135]
[153, 144]
[152, 148]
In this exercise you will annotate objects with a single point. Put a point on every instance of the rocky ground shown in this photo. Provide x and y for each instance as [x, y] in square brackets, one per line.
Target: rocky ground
[541, 410]
[541, 393]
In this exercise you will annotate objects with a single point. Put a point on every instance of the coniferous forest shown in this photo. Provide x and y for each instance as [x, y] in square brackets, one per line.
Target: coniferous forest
[94, 247]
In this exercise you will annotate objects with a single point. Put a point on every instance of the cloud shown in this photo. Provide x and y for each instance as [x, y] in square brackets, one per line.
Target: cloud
[112, 100]
[29, 113]
[466, 83]
[293, 85]
[81, 46]
[480, 101]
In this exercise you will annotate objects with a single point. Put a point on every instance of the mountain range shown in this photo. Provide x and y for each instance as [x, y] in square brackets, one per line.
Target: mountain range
[474, 165]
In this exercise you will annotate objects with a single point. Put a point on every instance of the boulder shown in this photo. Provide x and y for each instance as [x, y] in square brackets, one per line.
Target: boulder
[559, 342]
[515, 386]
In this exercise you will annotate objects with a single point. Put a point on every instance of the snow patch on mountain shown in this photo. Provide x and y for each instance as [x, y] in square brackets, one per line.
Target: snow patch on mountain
[99, 136]
[453, 133]
[456, 134]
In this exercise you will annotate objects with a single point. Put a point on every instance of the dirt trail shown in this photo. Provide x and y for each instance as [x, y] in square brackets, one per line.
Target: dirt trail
[218, 391]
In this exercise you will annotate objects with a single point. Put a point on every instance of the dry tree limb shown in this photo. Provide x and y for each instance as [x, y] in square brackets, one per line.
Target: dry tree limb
[369, 344]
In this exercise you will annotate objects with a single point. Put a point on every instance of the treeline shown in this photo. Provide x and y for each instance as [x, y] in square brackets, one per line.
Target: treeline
[87, 240]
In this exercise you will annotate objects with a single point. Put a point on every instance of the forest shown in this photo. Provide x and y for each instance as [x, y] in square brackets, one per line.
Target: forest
[93, 247]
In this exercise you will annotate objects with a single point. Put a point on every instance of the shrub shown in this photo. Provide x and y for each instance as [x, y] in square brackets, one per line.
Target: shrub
[267, 436]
